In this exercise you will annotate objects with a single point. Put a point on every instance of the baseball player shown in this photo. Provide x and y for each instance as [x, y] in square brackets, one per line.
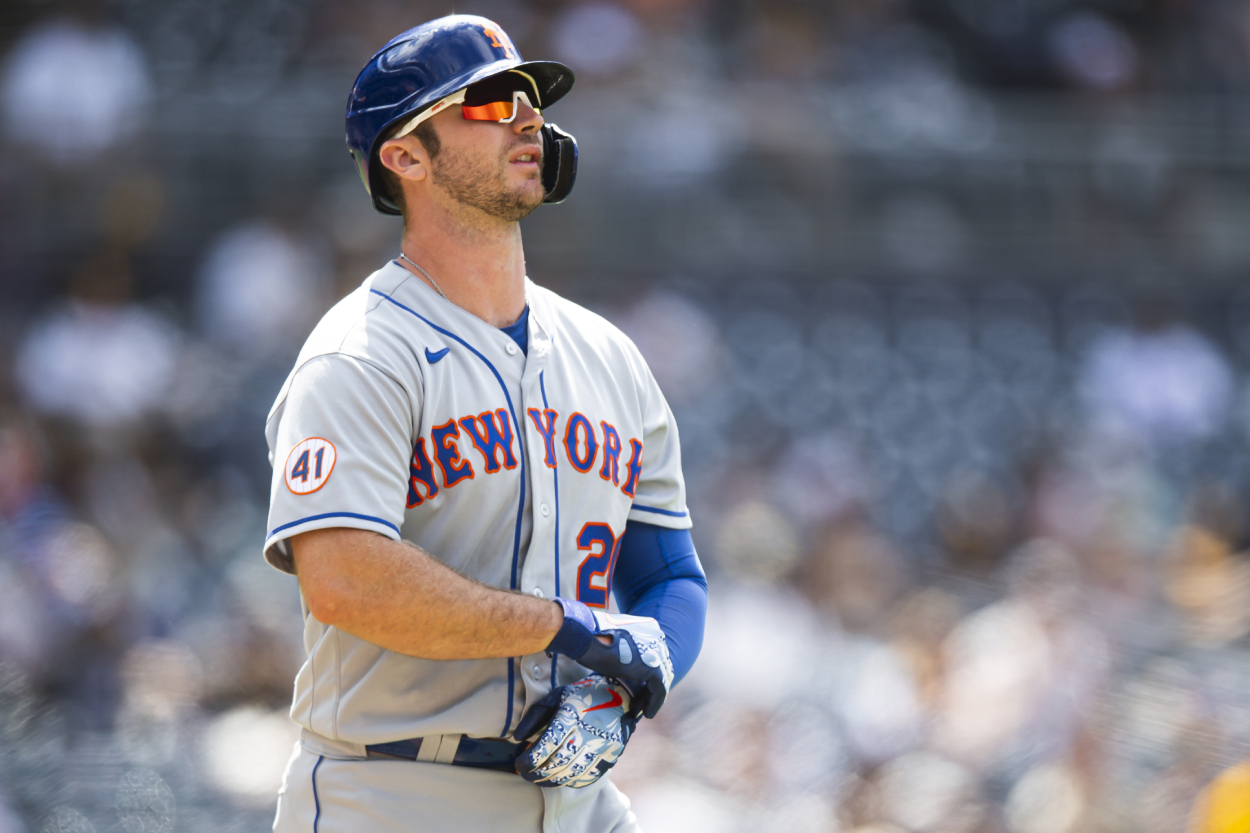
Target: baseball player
[468, 469]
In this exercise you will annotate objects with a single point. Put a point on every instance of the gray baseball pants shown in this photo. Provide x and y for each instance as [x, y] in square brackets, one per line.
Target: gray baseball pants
[320, 794]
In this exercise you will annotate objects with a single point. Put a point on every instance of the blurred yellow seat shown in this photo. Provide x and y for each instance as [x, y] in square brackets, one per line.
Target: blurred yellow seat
[1224, 806]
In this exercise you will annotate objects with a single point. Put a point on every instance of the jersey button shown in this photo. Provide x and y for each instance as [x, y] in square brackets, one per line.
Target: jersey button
[511, 348]
[545, 509]
[537, 672]
[538, 591]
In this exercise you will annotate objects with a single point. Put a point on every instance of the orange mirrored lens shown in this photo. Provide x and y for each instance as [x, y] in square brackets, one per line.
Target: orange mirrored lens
[495, 111]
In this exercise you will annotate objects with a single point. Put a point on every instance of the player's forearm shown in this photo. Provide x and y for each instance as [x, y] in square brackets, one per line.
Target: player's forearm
[396, 595]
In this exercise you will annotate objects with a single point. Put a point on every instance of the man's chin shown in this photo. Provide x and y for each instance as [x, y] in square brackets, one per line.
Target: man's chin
[507, 201]
[528, 199]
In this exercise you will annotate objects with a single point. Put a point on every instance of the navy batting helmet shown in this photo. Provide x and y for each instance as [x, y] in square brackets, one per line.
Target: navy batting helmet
[431, 61]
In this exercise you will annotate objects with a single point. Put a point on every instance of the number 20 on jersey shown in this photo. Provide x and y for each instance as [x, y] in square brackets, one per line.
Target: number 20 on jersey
[309, 464]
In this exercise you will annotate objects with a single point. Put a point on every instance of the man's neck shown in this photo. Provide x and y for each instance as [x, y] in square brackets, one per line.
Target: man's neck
[480, 266]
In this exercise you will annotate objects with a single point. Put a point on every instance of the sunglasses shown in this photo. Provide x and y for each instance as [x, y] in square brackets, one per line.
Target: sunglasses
[496, 99]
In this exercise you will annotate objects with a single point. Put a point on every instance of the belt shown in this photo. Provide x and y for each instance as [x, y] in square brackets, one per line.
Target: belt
[481, 753]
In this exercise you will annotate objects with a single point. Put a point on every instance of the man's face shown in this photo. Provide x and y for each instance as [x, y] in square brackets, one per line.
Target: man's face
[492, 167]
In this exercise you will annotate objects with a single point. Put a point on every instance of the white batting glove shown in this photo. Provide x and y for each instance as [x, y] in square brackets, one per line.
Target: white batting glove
[586, 727]
[636, 655]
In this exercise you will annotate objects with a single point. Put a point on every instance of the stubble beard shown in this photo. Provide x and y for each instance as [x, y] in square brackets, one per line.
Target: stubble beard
[484, 187]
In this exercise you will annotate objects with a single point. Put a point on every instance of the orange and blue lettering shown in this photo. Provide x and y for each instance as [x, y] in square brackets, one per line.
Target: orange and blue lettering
[548, 432]
[578, 424]
[611, 453]
[421, 471]
[448, 454]
[635, 468]
[598, 540]
[492, 437]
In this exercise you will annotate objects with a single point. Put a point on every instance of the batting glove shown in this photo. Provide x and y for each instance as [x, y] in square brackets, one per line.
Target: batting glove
[587, 725]
[636, 654]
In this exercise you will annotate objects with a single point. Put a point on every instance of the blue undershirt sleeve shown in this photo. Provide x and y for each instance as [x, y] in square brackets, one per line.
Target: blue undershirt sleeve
[658, 574]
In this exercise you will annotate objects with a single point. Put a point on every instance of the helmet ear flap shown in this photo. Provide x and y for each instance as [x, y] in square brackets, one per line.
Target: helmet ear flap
[376, 186]
[559, 163]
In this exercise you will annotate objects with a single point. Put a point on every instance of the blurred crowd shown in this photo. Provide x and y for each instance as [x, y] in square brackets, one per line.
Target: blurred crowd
[976, 563]
[972, 500]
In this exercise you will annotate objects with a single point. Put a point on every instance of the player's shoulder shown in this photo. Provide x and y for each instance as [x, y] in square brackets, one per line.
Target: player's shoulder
[362, 333]
[363, 326]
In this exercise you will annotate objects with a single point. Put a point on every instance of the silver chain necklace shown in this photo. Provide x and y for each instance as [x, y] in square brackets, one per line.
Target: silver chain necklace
[433, 283]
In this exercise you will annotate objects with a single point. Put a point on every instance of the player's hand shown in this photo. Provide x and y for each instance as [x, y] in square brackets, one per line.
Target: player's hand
[636, 653]
[584, 728]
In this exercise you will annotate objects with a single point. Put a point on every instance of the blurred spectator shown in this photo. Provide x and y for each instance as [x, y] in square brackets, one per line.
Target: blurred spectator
[1049, 799]
[878, 702]
[819, 480]
[855, 574]
[681, 343]
[61, 583]
[1210, 585]
[926, 792]
[30, 515]
[259, 291]
[99, 358]
[1093, 52]
[26, 501]
[1020, 672]
[756, 544]
[742, 662]
[597, 39]
[71, 89]
[1162, 387]
[976, 519]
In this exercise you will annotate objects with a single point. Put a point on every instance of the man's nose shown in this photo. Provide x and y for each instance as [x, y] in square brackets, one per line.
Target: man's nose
[527, 119]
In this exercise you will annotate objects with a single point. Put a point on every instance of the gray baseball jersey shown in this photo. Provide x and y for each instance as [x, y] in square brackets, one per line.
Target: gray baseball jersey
[410, 417]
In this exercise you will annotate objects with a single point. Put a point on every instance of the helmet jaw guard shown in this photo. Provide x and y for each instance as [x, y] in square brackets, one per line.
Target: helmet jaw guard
[559, 163]
[430, 62]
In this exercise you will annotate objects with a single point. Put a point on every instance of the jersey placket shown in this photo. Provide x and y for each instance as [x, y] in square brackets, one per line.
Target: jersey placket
[512, 364]
[542, 557]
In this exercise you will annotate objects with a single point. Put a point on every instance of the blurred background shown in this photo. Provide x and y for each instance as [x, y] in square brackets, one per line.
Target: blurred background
[949, 299]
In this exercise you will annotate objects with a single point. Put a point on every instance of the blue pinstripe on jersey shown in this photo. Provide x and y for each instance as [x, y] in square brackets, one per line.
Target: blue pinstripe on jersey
[516, 544]
[555, 479]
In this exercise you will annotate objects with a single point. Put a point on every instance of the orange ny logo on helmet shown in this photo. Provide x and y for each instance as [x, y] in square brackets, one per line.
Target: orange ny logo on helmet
[494, 40]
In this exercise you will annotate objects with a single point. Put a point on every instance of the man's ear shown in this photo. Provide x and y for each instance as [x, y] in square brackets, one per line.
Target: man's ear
[405, 157]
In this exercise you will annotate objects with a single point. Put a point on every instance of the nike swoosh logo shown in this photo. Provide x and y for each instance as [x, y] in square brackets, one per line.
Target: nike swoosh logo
[611, 704]
[433, 357]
